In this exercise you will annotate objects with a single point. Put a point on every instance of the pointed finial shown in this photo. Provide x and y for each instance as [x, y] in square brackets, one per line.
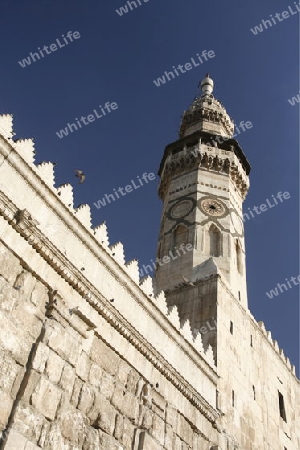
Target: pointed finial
[207, 86]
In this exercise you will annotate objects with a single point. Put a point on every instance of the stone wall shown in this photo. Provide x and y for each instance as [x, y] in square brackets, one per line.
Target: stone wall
[64, 387]
[90, 357]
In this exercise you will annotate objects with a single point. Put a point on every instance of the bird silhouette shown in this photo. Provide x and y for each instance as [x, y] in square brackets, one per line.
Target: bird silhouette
[190, 283]
[79, 174]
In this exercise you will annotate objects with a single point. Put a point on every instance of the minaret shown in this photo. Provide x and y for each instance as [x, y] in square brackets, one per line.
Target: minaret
[204, 181]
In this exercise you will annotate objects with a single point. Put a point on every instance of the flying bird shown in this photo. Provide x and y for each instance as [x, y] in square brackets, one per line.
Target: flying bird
[80, 175]
[190, 283]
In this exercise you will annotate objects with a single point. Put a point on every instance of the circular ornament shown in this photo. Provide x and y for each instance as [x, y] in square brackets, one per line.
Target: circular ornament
[212, 207]
[181, 209]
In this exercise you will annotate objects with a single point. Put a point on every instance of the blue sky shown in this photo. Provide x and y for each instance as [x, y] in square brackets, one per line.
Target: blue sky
[116, 59]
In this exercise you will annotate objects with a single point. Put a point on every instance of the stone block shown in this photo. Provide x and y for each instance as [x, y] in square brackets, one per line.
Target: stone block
[128, 434]
[103, 415]
[15, 441]
[9, 265]
[107, 385]
[171, 416]
[13, 339]
[54, 367]
[29, 423]
[39, 296]
[67, 379]
[107, 442]
[158, 429]
[73, 427]
[95, 374]
[126, 403]
[9, 371]
[123, 371]
[86, 399]
[132, 381]
[68, 346]
[184, 430]
[119, 427]
[40, 357]
[31, 446]
[92, 441]
[147, 442]
[83, 366]
[76, 391]
[104, 356]
[46, 398]
[169, 436]
[28, 318]
[147, 418]
[6, 403]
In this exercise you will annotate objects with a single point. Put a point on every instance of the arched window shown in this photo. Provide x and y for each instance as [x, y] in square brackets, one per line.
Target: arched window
[239, 263]
[215, 241]
[181, 236]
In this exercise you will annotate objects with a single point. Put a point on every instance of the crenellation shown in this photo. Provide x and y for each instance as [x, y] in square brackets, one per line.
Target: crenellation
[46, 172]
[6, 125]
[65, 192]
[117, 250]
[132, 268]
[25, 148]
[146, 285]
[186, 331]
[174, 318]
[101, 234]
[83, 213]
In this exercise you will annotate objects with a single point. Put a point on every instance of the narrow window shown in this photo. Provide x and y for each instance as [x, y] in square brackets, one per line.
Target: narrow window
[181, 236]
[214, 241]
[239, 296]
[231, 327]
[239, 257]
[251, 341]
[217, 399]
[254, 394]
[232, 398]
[281, 406]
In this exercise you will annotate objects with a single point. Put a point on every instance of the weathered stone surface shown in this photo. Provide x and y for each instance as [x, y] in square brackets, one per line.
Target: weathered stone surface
[103, 415]
[40, 357]
[54, 367]
[6, 403]
[148, 443]
[107, 385]
[67, 380]
[184, 430]
[73, 427]
[119, 427]
[46, 398]
[83, 366]
[76, 391]
[104, 356]
[95, 374]
[9, 371]
[128, 433]
[86, 399]
[92, 440]
[14, 340]
[158, 429]
[66, 345]
[108, 442]
[15, 441]
[29, 423]
[126, 403]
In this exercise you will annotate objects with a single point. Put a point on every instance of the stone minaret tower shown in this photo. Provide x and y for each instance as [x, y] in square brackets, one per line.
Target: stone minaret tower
[204, 180]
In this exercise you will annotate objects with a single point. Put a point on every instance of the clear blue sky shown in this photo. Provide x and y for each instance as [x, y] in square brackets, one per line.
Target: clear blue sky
[116, 59]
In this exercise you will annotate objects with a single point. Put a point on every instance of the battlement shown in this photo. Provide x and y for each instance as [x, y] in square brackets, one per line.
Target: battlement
[46, 217]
